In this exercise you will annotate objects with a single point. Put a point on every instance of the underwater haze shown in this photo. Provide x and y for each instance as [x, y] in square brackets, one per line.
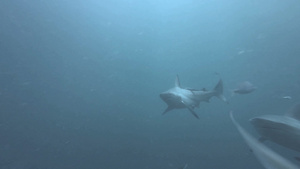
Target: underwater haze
[80, 80]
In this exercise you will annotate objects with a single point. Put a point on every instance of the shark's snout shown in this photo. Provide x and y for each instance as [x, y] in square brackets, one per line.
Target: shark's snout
[172, 99]
[253, 121]
[165, 96]
[259, 122]
[265, 124]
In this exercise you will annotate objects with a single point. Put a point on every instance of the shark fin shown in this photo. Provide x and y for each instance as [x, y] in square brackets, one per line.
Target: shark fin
[177, 82]
[191, 110]
[219, 91]
[169, 108]
[294, 112]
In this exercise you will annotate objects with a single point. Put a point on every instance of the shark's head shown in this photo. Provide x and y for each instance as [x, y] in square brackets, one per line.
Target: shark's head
[282, 130]
[273, 125]
[166, 96]
[268, 123]
[290, 122]
[270, 127]
[170, 98]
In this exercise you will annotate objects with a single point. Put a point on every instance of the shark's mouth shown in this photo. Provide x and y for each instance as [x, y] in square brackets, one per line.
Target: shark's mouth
[269, 126]
[169, 97]
[166, 96]
[264, 124]
[172, 100]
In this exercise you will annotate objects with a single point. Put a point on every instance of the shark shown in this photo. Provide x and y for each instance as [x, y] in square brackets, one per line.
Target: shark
[266, 156]
[180, 98]
[281, 129]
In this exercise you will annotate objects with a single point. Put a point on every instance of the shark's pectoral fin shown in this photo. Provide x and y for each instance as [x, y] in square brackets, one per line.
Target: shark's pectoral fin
[169, 108]
[193, 112]
[190, 109]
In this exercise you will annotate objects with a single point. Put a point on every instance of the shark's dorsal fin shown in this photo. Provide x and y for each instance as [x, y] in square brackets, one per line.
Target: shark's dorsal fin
[294, 112]
[177, 82]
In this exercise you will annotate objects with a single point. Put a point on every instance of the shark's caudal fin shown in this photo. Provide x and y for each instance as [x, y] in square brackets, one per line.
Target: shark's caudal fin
[219, 91]
[294, 112]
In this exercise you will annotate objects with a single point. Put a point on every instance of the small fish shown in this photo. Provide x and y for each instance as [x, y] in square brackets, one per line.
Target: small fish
[287, 97]
[241, 52]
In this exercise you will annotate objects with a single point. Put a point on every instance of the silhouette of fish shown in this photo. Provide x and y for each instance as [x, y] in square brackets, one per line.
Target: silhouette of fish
[244, 88]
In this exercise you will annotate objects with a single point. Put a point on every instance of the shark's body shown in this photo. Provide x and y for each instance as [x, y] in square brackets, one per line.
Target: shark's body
[179, 98]
[283, 130]
[267, 157]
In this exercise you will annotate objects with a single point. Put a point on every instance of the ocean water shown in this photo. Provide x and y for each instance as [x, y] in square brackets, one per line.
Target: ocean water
[80, 80]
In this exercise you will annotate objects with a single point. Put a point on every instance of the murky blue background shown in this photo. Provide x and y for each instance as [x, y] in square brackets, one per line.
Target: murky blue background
[80, 80]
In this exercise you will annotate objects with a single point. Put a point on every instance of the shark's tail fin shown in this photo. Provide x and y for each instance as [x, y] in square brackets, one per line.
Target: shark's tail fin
[219, 91]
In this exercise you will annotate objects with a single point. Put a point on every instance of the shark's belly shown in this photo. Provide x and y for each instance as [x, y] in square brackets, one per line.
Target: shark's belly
[175, 102]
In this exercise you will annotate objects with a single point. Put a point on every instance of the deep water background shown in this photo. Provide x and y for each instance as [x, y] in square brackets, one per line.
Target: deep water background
[80, 80]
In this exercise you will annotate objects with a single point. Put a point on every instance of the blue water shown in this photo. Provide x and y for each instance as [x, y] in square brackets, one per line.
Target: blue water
[80, 80]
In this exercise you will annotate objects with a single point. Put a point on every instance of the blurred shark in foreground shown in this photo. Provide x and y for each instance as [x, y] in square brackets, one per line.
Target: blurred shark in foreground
[267, 157]
[283, 130]
[178, 97]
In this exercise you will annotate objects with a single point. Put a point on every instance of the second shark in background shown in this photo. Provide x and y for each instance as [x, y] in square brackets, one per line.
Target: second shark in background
[244, 88]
